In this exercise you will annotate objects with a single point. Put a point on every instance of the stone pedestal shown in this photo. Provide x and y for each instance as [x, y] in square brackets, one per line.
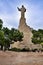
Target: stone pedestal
[26, 43]
[23, 27]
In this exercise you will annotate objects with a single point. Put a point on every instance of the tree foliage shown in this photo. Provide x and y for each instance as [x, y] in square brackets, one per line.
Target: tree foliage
[7, 35]
[1, 24]
[37, 36]
[15, 35]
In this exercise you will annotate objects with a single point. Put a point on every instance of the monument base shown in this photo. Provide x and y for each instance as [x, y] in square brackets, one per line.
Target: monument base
[26, 43]
[23, 27]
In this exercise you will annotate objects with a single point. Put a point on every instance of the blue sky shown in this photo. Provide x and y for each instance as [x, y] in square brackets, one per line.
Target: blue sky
[10, 15]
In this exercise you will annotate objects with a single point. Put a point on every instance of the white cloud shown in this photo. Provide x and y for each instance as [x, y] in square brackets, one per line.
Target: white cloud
[10, 15]
[35, 17]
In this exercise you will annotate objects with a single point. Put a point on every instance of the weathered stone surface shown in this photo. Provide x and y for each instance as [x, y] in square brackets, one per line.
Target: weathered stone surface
[26, 31]
[23, 27]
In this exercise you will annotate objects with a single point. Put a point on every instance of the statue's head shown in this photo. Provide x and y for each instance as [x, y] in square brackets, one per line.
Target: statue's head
[22, 6]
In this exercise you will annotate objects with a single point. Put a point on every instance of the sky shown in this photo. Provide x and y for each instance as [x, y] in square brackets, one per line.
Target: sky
[11, 16]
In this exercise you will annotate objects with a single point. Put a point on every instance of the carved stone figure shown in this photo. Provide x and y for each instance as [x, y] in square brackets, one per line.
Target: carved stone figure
[23, 27]
[22, 10]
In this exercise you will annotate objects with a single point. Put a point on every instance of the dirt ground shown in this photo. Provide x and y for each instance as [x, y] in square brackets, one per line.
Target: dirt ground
[21, 58]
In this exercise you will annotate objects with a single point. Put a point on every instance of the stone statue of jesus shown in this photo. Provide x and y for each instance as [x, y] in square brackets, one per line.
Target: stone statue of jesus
[22, 10]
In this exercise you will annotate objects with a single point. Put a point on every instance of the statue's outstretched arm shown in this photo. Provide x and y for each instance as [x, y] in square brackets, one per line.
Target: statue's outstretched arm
[19, 9]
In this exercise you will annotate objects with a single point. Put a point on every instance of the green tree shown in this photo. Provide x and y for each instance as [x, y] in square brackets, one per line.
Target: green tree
[1, 24]
[6, 36]
[11, 35]
[7, 42]
[37, 36]
[1, 39]
[16, 35]
[6, 31]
